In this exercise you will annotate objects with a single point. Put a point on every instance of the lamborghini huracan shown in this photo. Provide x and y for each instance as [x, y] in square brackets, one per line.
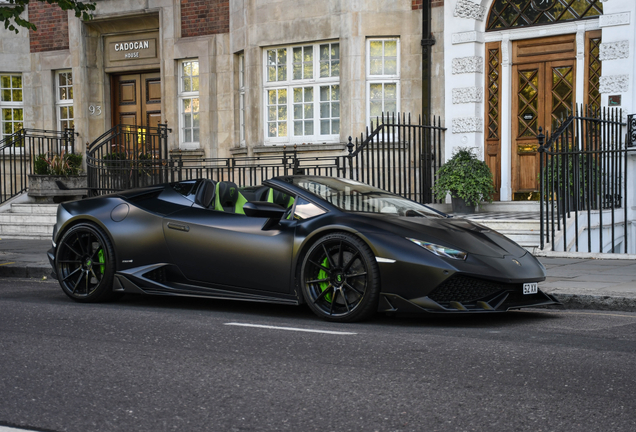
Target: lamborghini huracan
[344, 248]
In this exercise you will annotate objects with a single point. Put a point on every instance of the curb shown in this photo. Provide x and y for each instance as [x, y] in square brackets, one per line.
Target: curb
[606, 303]
[25, 271]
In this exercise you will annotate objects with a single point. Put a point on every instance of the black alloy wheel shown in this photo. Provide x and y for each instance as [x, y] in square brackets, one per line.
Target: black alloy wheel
[84, 264]
[339, 278]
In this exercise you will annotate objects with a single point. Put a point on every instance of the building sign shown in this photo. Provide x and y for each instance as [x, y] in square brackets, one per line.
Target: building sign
[132, 49]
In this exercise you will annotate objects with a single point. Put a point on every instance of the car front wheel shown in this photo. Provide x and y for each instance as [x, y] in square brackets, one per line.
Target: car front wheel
[84, 263]
[339, 278]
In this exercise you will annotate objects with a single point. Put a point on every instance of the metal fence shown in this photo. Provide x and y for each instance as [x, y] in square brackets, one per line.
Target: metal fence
[397, 155]
[18, 153]
[583, 187]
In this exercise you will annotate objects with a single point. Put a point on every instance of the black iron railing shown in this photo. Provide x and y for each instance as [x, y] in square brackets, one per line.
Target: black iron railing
[18, 153]
[397, 156]
[583, 187]
[128, 157]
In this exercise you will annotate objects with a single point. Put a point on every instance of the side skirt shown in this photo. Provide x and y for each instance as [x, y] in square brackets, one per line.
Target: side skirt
[136, 281]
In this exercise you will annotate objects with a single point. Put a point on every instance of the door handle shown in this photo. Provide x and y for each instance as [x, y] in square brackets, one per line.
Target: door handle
[178, 227]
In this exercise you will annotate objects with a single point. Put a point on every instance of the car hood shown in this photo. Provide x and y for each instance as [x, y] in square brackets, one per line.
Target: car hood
[458, 233]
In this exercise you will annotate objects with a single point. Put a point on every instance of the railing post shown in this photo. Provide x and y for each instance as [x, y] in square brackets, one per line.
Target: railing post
[542, 154]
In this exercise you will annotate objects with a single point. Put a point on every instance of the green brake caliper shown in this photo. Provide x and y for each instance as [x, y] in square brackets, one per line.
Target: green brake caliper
[323, 275]
[100, 258]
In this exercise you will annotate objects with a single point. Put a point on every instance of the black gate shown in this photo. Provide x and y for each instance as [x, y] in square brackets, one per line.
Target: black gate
[128, 157]
[583, 172]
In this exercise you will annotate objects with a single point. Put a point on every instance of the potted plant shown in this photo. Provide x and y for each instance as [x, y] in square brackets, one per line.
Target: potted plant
[467, 179]
[57, 177]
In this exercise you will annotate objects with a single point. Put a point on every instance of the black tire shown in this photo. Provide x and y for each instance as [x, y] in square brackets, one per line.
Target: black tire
[85, 265]
[339, 278]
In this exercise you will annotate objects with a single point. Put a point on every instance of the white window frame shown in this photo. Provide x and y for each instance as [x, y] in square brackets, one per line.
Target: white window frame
[11, 104]
[67, 102]
[241, 62]
[382, 78]
[185, 94]
[311, 81]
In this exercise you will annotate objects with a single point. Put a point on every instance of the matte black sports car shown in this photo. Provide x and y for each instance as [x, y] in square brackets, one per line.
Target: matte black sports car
[345, 248]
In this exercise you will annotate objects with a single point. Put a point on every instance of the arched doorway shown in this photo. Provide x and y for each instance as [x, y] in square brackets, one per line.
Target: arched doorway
[537, 82]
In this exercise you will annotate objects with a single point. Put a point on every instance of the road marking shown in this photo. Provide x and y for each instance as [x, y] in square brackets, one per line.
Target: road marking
[290, 328]
[7, 263]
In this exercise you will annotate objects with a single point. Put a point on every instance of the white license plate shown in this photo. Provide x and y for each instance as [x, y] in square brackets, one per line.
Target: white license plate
[530, 288]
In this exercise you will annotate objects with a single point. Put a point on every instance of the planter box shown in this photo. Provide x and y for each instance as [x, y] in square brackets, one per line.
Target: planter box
[46, 187]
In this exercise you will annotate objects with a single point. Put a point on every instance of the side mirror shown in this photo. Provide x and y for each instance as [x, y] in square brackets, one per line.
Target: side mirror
[263, 209]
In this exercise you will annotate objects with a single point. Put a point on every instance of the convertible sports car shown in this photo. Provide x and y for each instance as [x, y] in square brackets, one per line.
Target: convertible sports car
[345, 248]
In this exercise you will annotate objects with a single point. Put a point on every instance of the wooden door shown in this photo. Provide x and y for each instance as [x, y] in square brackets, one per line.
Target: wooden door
[137, 99]
[543, 93]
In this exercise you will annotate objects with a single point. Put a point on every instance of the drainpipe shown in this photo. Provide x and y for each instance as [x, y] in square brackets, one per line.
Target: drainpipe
[427, 47]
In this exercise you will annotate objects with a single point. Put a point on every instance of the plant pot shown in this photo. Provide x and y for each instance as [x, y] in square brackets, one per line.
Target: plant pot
[53, 188]
[460, 206]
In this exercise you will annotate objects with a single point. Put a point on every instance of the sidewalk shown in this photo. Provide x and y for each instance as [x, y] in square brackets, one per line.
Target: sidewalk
[579, 283]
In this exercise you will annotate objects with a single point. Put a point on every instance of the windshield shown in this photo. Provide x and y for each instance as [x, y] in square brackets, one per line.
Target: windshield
[350, 195]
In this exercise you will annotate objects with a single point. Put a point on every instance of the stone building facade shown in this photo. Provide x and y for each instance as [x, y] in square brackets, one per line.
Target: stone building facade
[238, 77]
[250, 77]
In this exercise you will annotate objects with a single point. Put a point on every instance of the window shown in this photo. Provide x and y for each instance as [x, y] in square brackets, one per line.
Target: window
[189, 104]
[383, 79]
[302, 93]
[242, 100]
[64, 100]
[11, 103]
[510, 14]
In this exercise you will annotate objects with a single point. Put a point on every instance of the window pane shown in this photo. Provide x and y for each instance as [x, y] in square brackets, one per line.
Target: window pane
[376, 48]
[195, 134]
[6, 114]
[324, 110]
[335, 127]
[390, 67]
[376, 67]
[309, 127]
[298, 128]
[187, 84]
[62, 79]
[16, 82]
[17, 95]
[282, 96]
[6, 81]
[324, 127]
[187, 135]
[6, 95]
[17, 115]
[195, 84]
[390, 48]
[70, 112]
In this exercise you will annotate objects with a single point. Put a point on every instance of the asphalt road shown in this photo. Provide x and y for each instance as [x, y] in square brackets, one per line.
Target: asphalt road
[163, 364]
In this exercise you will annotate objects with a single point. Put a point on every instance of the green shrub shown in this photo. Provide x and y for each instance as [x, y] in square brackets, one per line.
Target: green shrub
[464, 176]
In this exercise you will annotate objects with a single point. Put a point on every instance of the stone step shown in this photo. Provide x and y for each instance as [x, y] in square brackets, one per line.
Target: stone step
[510, 225]
[34, 208]
[15, 218]
[25, 229]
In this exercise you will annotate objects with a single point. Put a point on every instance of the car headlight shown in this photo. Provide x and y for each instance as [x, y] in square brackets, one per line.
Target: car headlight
[441, 251]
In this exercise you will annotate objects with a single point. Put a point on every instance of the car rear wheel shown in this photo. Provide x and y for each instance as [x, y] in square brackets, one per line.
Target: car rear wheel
[339, 278]
[84, 263]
